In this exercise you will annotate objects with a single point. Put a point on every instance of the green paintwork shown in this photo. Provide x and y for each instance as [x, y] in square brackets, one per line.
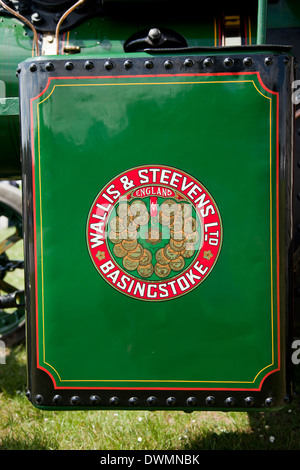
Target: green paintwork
[98, 36]
[15, 46]
[222, 334]
[105, 36]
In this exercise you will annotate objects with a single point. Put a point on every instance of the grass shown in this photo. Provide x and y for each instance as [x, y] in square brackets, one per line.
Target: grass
[24, 427]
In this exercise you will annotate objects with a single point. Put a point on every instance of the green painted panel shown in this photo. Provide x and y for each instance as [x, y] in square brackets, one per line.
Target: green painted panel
[222, 131]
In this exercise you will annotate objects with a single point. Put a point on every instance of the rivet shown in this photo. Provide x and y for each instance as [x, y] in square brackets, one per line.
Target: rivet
[171, 401]
[75, 400]
[69, 65]
[114, 401]
[36, 18]
[152, 401]
[49, 66]
[188, 62]
[168, 64]
[191, 401]
[128, 64]
[230, 401]
[94, 400]
[210, 400]
[269, 401]
[247, 61]
[39, 399]
[208, 62]
[32, 67]
[268, 61]
[286, 60]
[228, 62]
[249, 401]
[149, 64]
[154, 34]
[57, 399]
[133, 401]
[109, 65]
[88, 65]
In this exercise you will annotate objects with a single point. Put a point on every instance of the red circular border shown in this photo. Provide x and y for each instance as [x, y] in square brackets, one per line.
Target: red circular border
[207, 211]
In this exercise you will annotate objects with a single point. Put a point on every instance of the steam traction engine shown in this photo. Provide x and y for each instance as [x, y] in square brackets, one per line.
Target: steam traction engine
[152, 145]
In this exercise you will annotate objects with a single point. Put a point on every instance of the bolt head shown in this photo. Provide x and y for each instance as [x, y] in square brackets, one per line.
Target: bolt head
[38, 399]
[128, 64]
[109, 65]
[154, 34]
[247, 61]
[210, 400]
[75, 400]
[168, 64]
[230, 401]
[208, 62]
[152, 401]
[268, 61]
[191, 401]
[57, 399]
[114, 401]
[171, 401]
[49, 66]
[133, 401]
[89, 65]
[69, 65]
[36, 18]
[269, 401]
[228, 62]
[188, 62]
[94, 400]
[249, 401]
[149, 64]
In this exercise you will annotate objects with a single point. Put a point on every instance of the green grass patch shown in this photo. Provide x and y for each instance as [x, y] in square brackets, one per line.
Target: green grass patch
[24, 427]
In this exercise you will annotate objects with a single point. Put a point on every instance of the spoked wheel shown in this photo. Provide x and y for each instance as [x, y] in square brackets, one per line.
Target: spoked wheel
[12, 320]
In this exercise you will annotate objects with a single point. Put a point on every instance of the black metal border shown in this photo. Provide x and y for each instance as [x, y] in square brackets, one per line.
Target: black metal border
[277, 72]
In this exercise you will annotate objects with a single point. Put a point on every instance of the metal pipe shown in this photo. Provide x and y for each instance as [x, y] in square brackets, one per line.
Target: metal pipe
[64, 16]
[261, 21]
[22, 18]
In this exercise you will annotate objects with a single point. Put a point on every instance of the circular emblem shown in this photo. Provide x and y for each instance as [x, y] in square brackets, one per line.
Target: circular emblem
[154, 233]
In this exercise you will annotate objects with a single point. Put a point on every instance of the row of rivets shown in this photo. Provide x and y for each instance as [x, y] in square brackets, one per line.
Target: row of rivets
[149, 64]
[152, 401]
